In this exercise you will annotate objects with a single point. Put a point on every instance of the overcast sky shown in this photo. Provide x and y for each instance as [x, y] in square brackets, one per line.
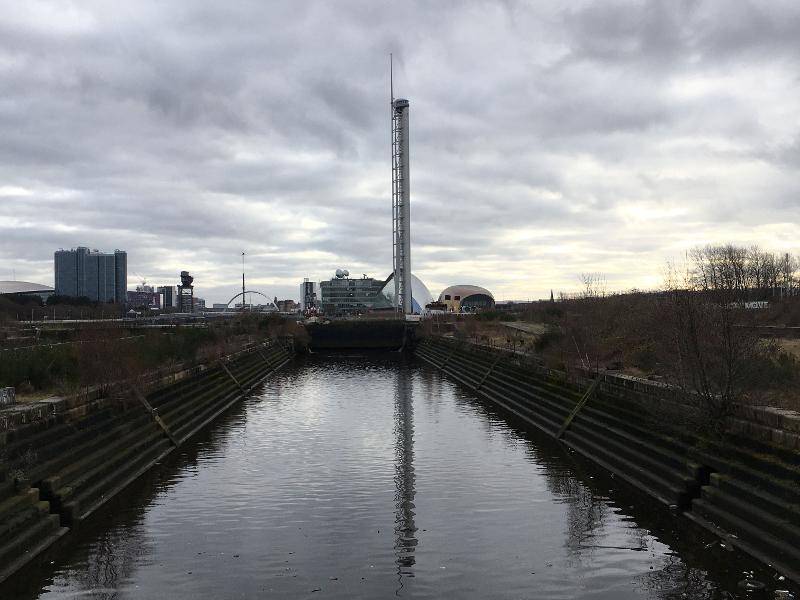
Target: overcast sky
[547, 138]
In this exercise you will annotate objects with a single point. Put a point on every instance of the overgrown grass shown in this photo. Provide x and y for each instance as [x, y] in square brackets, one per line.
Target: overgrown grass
[100, 357]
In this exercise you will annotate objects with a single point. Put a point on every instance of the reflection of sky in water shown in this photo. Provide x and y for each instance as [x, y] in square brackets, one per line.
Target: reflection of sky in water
[370, 478]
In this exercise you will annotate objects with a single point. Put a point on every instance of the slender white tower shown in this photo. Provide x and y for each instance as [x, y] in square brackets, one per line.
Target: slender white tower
[401, 203]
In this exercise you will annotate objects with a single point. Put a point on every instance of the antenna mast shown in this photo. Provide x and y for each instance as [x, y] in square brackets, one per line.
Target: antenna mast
[244, 302]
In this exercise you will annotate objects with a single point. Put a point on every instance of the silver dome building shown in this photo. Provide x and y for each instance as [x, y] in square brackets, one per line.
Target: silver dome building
[466, 298]
[420, 295]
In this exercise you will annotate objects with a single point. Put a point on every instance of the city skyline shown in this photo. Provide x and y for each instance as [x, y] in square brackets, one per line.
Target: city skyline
[547, 141]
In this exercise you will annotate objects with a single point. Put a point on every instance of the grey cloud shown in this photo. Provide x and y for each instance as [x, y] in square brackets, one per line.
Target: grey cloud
[188, 131]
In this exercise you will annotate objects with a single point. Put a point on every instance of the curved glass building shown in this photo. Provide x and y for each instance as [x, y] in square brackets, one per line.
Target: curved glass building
[420, 295]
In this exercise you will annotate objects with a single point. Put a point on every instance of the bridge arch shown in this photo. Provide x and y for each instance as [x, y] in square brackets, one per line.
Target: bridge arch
[243, 295]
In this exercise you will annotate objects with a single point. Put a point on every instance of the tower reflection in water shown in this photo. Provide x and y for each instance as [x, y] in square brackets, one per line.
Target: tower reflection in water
[404, 527]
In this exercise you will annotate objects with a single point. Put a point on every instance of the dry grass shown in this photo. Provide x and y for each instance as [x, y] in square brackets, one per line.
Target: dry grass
[534, 329]
[790, 346]
[32, 397]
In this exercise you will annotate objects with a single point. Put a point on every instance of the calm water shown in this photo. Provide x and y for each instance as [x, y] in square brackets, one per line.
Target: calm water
[374, 477]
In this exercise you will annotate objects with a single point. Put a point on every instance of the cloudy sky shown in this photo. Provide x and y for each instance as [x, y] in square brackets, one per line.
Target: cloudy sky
[547, 139]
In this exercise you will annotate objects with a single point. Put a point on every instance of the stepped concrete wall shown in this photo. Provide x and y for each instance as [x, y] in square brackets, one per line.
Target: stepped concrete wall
[63, 458]
[743, 486]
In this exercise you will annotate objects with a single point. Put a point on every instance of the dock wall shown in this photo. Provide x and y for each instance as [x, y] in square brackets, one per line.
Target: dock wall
[63, 458]
[743, 486]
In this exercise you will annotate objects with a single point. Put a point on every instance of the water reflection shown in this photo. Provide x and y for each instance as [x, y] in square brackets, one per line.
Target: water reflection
[405, 529]
[367, 477]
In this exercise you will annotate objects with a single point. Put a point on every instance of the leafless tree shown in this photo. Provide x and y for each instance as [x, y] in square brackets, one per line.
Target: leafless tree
[594, 285]
[711, 353]
[736, 274]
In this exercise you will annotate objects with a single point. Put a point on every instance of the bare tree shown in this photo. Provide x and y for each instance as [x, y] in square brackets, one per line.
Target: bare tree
[711, 353]
[594, 285]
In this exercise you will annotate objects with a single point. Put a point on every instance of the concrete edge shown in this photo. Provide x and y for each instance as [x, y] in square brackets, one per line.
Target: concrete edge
[33, 553]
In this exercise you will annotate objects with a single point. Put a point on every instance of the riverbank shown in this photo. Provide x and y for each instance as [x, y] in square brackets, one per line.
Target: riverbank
[743, 486]
[65, 457]
[373, 475]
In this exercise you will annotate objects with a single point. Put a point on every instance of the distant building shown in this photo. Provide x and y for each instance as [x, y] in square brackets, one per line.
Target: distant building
[466, 298]
[144, 297]
[219, 306]
[168, 296]
[25, 288]
[199, 304]
[342, 296]
[186, 293]
[287, 306]
[308, 294]
[99, 276]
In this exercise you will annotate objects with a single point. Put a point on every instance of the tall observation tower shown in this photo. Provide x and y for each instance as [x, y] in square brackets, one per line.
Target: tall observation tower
[401, 203]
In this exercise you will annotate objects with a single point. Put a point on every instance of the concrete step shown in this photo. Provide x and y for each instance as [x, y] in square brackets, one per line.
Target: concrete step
[13, 503]
[19, 510]
[544, 387]
[539, 410]
[88, 441]
[789, 531]
[113, 441]
[162, 398]
[60, 487]
[644, 442]
[773, 551]
[537, 418]
[558, 401]
[786, 489]
[31, 430]
[645, 459]
[187, 384]
[94, 494]
[663, 489]
[188, 419]
[540, 402]
[22, 519]
[200, 420]
[41, 446]
[7, 489]
[173, 411]
[781, 453]
[757, 497]
[45, 538]
[762, 462]
[465, 374]
[28, 538]
[563, 389]
[636, 428]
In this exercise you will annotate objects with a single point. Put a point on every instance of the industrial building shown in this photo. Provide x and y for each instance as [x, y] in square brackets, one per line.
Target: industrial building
[342, 296]
[25, 288]
[168, 296]
[85, 273]
[186, 293]
[466, 298]
[140, 298]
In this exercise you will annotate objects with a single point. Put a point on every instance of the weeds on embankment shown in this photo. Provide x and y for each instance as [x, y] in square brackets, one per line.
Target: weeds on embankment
[97, 356]
[711, 332]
